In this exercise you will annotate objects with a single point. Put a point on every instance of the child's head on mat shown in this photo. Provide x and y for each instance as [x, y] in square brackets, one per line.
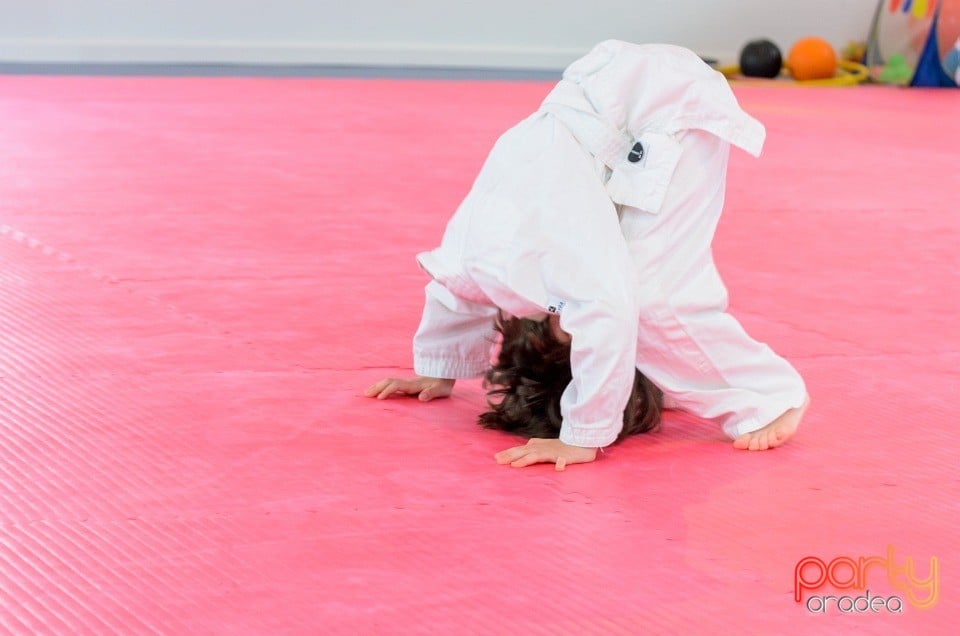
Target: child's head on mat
[530, 374]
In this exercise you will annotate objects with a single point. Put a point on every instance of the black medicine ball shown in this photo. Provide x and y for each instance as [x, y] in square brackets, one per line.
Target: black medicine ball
[760, 58]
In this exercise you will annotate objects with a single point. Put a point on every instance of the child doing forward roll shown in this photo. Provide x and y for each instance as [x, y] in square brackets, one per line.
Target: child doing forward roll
[586, 242]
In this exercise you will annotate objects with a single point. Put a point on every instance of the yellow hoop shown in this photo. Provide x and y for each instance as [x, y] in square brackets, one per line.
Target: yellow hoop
[848, 74]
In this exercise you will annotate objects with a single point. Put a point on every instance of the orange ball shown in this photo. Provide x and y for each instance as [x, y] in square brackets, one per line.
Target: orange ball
[812, 59]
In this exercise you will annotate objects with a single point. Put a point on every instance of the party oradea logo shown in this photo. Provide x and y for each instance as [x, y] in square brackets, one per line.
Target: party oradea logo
[851, 580]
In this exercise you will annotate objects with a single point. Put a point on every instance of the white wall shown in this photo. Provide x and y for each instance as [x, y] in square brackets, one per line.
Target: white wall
[488, 33]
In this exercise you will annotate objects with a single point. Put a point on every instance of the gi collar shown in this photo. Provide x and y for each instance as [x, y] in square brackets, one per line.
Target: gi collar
[640, 167]
[622, 94]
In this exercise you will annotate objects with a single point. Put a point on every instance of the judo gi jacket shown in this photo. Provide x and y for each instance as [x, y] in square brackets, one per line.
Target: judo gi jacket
[601, 207]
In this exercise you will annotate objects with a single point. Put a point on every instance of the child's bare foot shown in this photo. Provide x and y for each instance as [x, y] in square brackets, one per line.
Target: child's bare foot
[775, 433]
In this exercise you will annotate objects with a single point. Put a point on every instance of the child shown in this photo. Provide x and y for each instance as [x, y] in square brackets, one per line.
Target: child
[598, 211]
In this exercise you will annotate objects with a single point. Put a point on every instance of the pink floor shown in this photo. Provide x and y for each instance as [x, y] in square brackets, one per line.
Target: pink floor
[198, 277]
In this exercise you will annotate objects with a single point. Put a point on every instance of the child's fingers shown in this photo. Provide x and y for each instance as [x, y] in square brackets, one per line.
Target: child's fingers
[538, 451]
[526, 455]
[530, 458]
[388, 384]
[427, 388]
[511, 454]
[392, 386]
[531, 453]
[374, 389]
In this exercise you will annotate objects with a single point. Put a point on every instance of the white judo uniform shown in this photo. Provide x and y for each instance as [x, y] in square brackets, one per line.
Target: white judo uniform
[601, 207]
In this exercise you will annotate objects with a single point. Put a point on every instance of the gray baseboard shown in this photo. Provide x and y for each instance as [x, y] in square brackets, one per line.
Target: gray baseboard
[273, 70]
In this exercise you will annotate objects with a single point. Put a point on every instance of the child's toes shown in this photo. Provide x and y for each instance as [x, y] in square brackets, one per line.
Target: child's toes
[777, 437]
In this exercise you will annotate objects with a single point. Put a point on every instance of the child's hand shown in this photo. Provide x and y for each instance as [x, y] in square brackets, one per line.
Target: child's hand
[426, 388]
[539, 451]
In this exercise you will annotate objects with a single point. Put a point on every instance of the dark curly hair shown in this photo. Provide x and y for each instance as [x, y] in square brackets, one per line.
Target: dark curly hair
[529, 376]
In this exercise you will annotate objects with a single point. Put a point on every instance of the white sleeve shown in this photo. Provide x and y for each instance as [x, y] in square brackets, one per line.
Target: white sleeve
[589, 268]
[602, 359]
[455, 336]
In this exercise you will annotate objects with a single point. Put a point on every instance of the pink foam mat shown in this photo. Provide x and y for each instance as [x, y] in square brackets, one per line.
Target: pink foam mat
[198, 277]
